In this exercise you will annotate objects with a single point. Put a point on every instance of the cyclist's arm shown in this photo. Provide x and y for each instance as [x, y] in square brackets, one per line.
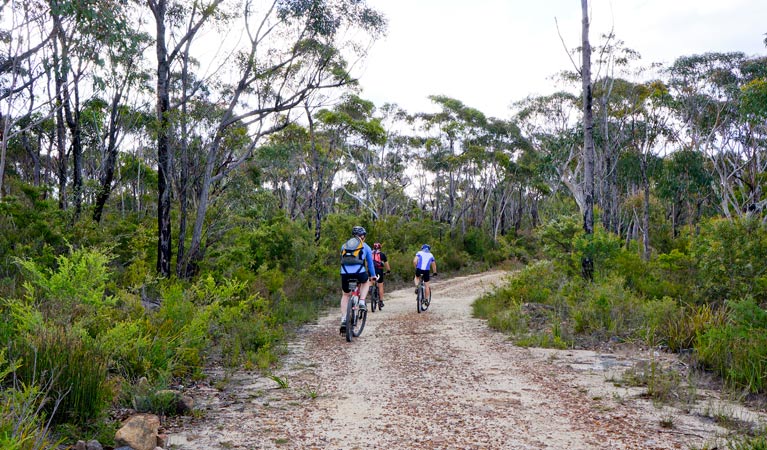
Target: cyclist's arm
[433, 266]
[371, 268]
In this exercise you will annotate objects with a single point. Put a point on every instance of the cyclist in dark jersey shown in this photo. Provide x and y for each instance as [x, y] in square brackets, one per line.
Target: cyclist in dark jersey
[381, 263]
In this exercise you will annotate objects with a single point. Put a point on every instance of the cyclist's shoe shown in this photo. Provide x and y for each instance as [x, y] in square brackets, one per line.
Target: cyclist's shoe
[416, 291]
[380, 304]
[342, 330]
[361, 305]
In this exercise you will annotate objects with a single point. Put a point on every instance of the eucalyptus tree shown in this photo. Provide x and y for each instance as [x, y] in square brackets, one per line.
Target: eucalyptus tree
[286, 166]
[650, 121]
[711, 93]
[588, 138]
[82, 29]
[121, 79]
[292, 53]
[450, 133]
[388, 173]
[183, 21]
[25, 34]
[351, 130]
[614, 60]
[687, 187]
[550, 126]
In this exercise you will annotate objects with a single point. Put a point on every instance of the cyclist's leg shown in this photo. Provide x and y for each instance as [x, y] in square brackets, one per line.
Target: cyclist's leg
[427, 289]
[346, 292]
[364, 283]
[380, 285]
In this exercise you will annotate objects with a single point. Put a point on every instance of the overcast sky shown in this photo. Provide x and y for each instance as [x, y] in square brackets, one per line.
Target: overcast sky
[490, 53]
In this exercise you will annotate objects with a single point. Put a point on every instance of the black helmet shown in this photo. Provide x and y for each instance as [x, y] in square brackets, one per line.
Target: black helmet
[359, 231]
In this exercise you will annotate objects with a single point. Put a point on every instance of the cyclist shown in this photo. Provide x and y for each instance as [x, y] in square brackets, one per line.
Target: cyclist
[424, 261]
[356, 271]
[381, 263]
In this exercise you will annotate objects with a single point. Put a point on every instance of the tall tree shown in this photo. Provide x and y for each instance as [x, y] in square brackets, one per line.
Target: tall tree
[588, 140]
[294, 54]
[165, 57]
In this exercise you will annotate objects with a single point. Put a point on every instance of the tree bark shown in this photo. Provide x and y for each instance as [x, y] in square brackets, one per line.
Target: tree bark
[164, 252]
[588, 142]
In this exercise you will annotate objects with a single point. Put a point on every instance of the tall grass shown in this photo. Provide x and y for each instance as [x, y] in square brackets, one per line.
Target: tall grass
[75, 369]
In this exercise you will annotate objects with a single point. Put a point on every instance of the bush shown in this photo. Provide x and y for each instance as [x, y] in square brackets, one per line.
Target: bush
[737, 348]
[603, 308]
[73, 293]
[730, 256]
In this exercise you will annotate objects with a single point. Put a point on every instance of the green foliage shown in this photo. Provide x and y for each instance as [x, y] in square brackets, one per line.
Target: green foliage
[31, 226]
[74, 291]
[730, 256]
[663, 384]
[737, 348]
[660, 318]
[147, 397]
[557, 236]
[748, 443]
[23, 424]
[247, 332]
[514, 308]
[75, 369]
[604, 309]
[603, 248]
[281, 244]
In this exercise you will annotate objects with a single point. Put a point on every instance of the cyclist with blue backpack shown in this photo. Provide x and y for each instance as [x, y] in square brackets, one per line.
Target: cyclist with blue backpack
[356, 256]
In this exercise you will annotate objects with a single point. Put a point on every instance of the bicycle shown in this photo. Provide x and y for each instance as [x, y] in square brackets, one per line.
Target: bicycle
[421, 302]
[355, 316]
[373, 296]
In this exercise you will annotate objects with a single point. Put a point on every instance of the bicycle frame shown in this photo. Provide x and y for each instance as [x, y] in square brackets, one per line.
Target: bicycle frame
[355, 317]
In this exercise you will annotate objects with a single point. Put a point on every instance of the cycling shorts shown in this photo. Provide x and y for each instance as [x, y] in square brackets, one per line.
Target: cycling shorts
[425, 274]
[380, 273]
[361, 277]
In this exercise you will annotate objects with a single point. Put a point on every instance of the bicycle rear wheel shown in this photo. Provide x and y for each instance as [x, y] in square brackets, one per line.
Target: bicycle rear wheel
[425, 301]
[418, 298]
[359, 322]
[350, 318]
[373, 298]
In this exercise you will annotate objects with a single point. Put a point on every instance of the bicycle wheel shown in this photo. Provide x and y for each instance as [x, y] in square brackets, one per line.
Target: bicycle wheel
[350, 318]
[426, 300]
[373, 298]
[418, 297]
[359, 322]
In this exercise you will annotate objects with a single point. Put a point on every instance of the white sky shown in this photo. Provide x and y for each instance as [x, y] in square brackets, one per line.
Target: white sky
[491, 53]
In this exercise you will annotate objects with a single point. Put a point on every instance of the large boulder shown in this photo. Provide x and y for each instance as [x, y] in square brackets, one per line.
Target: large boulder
[139, 432]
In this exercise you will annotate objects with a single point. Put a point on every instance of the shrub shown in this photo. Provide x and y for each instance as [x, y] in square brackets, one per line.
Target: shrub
[74, 292]
[660, 317]
[737, 348]
[603, 308]
[730, 256]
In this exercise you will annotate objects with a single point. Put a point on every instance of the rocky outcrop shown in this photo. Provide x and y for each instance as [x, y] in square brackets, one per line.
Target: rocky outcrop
[139, 432]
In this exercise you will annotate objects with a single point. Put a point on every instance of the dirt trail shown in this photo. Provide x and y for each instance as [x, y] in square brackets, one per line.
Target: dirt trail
[437, 380]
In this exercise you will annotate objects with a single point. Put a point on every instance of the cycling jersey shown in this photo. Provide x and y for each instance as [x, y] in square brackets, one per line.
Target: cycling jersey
[424, 261]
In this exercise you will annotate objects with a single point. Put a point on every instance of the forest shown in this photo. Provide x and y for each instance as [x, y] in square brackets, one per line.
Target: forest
[169, 203]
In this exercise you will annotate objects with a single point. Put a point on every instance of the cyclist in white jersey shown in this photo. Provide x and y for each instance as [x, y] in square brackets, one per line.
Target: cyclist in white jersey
[424, 261]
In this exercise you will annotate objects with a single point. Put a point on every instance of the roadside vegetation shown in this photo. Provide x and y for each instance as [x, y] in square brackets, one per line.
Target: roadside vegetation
[157, 219]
